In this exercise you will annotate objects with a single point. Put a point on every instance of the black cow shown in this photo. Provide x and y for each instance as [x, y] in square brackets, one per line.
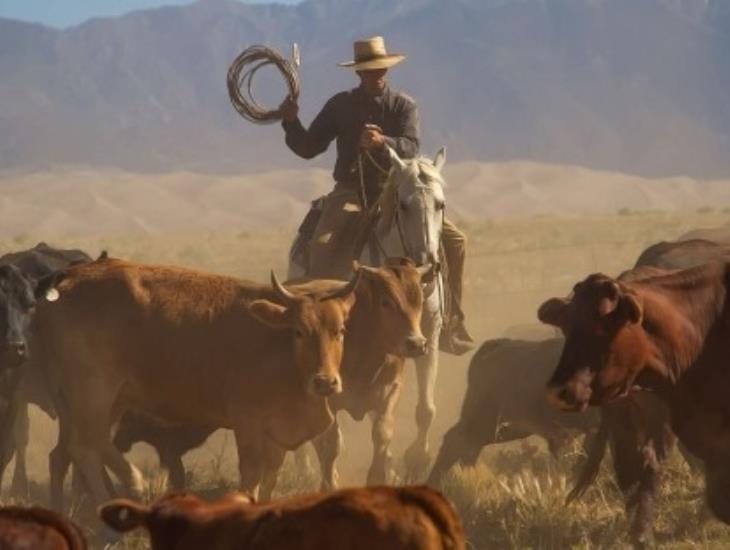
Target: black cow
[505, 401]
[25, 277]
[170, 441]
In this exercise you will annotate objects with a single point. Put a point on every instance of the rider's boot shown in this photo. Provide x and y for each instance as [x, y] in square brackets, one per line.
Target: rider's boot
[455, 337]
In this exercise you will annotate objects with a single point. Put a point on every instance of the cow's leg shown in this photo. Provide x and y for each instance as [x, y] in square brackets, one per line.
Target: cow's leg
[21, 429]
[328, 446]
[477, 427]
[642, 531]
[417, 458]
[250, 460]
[382, 434]
[59, 462]
[273, 460]
[127, 473]
[171, 460]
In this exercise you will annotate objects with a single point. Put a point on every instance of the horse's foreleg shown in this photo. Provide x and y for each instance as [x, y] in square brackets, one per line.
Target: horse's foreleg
[417, 458]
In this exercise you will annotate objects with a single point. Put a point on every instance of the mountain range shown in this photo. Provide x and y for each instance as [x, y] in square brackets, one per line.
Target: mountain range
[635, 86]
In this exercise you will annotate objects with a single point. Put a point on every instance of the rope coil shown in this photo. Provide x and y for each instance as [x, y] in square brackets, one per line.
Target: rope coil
[240, 81]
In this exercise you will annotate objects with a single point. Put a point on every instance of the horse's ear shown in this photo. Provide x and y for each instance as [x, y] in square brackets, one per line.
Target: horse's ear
[395, 160]
[440, 159]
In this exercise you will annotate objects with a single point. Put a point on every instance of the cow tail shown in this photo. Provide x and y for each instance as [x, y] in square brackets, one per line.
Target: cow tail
[440, 512]
[592, 464]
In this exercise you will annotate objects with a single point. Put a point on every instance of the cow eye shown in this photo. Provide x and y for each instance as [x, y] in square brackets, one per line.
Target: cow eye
[386, 303]
[440, 205]
[298, 333]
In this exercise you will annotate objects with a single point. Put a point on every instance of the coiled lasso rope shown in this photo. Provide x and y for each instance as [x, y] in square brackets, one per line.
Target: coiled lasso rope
[240, 81]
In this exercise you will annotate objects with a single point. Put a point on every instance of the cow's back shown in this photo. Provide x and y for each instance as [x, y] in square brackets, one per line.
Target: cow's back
[387, 518]
[683, 254]
[138, 327]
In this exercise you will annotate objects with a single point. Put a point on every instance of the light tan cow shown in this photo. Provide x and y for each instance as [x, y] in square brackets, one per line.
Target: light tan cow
[386, 518]
[189, 347]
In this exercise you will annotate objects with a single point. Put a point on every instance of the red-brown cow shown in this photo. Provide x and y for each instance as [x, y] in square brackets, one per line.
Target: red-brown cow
[668, 333]
[38, 529]
[386, 518]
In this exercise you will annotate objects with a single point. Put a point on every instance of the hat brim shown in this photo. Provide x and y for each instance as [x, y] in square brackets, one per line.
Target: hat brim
[384, 62]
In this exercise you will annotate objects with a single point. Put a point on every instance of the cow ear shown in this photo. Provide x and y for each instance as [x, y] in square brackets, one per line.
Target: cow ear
[123, 515]
[609, 302]
[552, 312]
[45, 287]
[271, 314]
[632, 308]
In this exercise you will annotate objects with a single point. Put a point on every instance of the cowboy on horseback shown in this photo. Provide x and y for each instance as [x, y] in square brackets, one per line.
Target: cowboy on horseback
[363, 121]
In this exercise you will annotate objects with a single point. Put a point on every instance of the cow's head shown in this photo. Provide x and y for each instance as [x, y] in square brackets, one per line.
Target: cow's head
[174, 520]
[605, 344]
[18, 293]
[396, 297]
[317, 323]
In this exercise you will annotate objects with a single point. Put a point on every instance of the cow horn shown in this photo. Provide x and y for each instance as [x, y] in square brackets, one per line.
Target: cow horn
[283, 292]
[427, 269]
[348, 288]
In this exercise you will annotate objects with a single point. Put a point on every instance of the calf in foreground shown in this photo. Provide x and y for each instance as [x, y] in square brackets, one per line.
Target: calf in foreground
[38, 529]
[386, 518]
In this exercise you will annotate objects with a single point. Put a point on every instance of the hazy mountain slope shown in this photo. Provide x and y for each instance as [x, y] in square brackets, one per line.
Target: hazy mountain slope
[633, 85]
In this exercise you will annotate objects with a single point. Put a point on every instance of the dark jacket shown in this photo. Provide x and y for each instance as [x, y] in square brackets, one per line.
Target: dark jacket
[343, 118]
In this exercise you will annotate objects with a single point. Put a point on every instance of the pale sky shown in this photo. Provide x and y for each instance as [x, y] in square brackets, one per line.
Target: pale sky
[64, 13]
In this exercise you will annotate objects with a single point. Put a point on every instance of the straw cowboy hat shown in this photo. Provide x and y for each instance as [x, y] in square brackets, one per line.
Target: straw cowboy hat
[371, 54]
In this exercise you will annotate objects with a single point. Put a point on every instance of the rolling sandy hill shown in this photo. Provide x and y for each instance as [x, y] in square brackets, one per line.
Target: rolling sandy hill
[77, 202]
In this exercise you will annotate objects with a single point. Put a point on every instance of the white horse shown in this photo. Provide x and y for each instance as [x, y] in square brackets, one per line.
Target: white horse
[410, 215]
[410, 224]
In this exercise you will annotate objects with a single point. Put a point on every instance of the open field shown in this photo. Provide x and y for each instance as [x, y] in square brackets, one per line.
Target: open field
[515, 498]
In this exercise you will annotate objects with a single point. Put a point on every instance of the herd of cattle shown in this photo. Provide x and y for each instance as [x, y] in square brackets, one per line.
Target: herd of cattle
[120, 352]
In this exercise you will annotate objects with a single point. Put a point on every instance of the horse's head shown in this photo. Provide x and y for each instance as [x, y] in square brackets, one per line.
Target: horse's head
[413, 204]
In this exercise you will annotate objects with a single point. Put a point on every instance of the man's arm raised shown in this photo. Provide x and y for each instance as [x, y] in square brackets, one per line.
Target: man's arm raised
[308, 143]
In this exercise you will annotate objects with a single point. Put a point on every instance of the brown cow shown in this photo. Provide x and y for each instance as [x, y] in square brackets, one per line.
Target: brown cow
[387, 308]
[505, 401]
[637, 427]
[666, 333]
[372, 372]
[386, 518]
[38, 529]
[189, 347]
[385, 316]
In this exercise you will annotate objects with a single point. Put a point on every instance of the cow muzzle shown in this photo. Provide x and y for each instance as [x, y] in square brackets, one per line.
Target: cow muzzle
[324, 385]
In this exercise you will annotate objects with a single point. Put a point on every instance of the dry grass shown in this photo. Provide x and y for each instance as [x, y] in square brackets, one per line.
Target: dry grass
[514, 498]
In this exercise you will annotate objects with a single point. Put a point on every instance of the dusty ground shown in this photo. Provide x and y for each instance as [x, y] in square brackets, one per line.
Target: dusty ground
[513, 266]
